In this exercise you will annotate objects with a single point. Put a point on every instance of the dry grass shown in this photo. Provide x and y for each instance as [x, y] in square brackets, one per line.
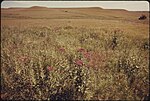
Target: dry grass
[70, 62]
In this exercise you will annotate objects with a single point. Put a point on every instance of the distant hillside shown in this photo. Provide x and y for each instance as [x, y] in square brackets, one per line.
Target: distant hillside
[38, 12]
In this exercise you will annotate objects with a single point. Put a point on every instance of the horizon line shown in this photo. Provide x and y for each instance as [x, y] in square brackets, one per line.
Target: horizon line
[69, 8]
[125, 5]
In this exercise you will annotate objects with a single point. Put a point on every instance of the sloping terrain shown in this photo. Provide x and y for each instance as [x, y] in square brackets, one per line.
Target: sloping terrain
[74, 54]
[70, 13]
[89, 17]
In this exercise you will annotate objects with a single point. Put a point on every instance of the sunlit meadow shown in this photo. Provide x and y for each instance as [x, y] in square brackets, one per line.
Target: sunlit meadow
[74, 54]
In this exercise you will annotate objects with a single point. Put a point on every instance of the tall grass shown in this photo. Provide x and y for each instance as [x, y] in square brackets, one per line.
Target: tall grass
[61, 63]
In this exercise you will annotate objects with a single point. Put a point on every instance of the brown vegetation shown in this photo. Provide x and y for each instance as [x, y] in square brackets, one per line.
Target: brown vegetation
[74, 54]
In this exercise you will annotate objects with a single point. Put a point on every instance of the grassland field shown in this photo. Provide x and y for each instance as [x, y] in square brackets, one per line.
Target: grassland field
[74, 54]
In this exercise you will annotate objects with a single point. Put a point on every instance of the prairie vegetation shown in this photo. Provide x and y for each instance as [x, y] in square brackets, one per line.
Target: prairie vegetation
[68, 62]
